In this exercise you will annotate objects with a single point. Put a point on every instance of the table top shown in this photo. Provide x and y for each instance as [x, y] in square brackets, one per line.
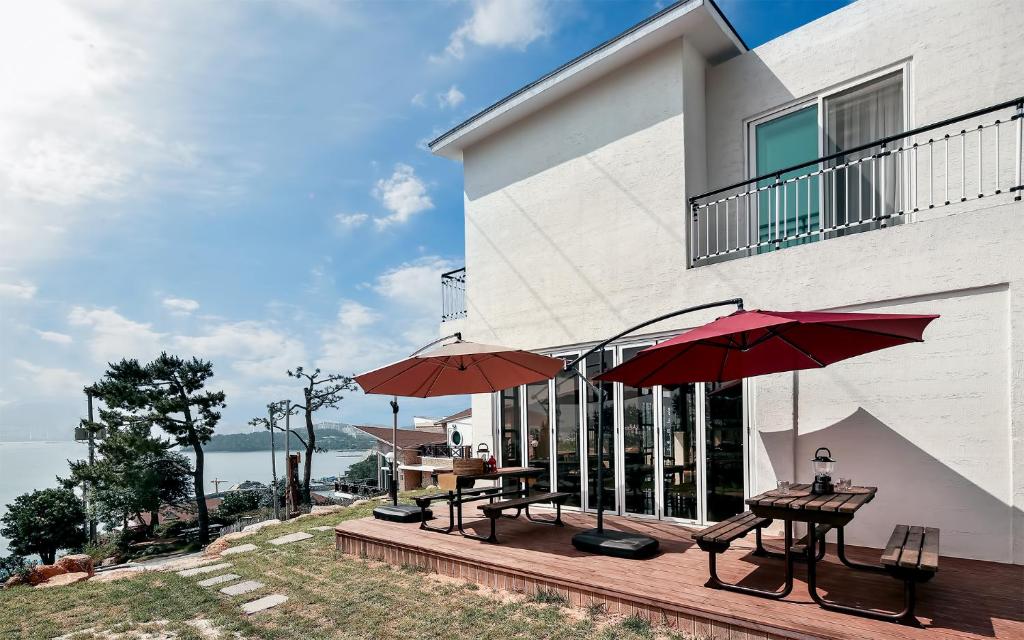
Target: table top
[800, 498]
[505, 472]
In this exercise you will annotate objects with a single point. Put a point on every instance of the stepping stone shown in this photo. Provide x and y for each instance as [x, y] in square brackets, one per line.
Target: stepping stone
[227, 577]
[210, 568]
[291, 537]
[327, 528]
[265, 602]
[242, 548]
[241, 587]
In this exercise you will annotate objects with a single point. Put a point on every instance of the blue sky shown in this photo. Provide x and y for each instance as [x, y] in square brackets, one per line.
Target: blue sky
[248, 181]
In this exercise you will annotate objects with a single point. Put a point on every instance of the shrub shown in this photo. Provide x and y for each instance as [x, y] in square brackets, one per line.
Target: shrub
[15, 565]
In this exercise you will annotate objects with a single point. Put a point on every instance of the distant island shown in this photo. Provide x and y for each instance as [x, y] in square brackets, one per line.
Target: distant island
[329, 435]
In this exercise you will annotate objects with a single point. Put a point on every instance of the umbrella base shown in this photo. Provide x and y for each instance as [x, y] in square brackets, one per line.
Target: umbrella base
[618, 544]
[400, 513]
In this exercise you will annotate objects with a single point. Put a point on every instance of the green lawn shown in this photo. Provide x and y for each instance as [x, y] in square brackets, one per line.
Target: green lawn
[330, 596]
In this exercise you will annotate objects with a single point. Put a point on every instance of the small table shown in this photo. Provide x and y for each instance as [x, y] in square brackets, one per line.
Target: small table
[798, 504]
[522, 474]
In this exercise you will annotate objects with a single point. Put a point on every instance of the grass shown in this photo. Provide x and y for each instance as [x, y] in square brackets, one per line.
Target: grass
[330, 596]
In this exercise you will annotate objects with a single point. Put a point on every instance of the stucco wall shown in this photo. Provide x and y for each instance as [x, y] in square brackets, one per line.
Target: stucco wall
[575, 229]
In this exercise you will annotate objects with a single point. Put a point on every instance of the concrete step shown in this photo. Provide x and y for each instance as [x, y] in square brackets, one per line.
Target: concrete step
[227, 577]
[291, 537]
[266, 602]
[210, 568]
[241, 587]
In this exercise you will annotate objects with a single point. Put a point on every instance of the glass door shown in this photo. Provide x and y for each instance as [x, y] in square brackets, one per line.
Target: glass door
[638, 445]
[680, 462]
[567, 410]
[538, 433]
[724, 459]
[511, 453]
[606, 406]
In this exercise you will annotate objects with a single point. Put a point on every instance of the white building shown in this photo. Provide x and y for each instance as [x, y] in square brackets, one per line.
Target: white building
[579, 223]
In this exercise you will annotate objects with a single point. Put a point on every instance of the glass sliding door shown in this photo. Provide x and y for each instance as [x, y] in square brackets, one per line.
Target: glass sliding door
[638, 445]
[568, 473]
[606, 409]
[511, 438]
[680, 464]
[724, 459]
[793, 208]
[538, 433]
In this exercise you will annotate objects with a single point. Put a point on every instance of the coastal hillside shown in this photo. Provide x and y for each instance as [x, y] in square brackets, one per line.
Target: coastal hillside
[329, 435]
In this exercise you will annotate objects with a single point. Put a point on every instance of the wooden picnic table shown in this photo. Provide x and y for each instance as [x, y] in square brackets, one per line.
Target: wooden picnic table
[521, 474]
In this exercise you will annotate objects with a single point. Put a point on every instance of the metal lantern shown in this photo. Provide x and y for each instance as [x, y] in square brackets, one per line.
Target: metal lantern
[483, 452]
[824, 465]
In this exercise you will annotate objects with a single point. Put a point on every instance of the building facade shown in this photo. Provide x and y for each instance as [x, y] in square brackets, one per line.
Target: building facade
[594, 200]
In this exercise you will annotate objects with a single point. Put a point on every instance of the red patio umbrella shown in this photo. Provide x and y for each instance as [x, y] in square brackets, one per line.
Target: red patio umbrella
[753, 343]
[456, 368]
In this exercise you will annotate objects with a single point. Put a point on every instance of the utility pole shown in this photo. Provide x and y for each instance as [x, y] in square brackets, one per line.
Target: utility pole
[216, 482]
[287, 454]
[273, 462]
[92, 459]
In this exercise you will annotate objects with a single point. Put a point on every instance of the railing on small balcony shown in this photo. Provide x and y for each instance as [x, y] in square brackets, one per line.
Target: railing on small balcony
[445, 451]
[453, 295]
[883, 183]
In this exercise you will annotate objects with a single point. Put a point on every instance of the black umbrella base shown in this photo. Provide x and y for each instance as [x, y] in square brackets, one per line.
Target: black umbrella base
[618, 544]
[400, 513]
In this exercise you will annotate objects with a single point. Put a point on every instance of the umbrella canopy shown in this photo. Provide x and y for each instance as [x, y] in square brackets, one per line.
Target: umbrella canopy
[753, 343]
[458, 368]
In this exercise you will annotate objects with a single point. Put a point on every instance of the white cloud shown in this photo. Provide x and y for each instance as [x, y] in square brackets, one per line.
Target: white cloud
[349, 221]
[404, 194]
[500, 23]
[450, 98]
[254, 349]
[353, 315]
[415, 285]
[180, 306]
[20, 290]
[115, 336]
[50, 381]
[55, 337]
[419, 100]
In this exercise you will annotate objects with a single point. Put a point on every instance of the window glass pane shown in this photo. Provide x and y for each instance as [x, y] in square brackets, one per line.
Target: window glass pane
[511, 445]
[791, 209]
[567, 436]
[538, 433]
[724, 448]
[856, 117]
[607, 431]
[679, 448]
[638, 443]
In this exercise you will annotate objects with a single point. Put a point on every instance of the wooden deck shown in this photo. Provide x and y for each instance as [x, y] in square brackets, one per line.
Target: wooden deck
[966, 599]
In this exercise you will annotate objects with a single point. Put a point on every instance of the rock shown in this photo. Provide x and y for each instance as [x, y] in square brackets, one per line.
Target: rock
[109, 562]
[43, 572]
[117, 574]
[320, 510]
[62, 579]
[260, 525]
[14, 581]
[77, 563]
[216, 547]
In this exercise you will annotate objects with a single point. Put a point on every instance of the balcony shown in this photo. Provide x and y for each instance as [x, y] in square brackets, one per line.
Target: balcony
[453, 295]
[887, 182]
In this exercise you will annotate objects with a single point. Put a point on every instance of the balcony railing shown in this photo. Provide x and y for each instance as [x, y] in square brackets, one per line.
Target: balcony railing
[453, 295]
[445, 451]
[885, 182]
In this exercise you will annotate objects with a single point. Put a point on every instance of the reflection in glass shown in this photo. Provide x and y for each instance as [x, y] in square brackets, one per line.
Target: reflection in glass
[724, 438]
[511, 445]
[607, 432]
[567, 436]
[538, 433]
[638, 443]
[679, 448]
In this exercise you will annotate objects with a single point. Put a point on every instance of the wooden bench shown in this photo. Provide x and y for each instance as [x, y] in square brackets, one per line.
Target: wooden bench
[494, 510]
[911, 555]
[468, 495]
[717, 538]
[800, 546]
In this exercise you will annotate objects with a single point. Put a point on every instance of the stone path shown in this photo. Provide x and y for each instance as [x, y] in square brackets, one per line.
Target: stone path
[241, 587]
[227, 577]
[242, 548]
[265, 602]
[291, 537]
[210, 568]
[327, 528]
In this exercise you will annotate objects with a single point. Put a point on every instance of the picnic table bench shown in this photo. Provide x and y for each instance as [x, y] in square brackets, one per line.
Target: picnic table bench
[495, 509]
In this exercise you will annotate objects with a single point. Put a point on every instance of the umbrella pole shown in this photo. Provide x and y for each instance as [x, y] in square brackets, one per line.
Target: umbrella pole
[394, 451]
[599, 489]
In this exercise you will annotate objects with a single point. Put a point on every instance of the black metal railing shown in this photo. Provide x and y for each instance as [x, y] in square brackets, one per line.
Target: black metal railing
[884, 182]
[445, 451]
[453, 295]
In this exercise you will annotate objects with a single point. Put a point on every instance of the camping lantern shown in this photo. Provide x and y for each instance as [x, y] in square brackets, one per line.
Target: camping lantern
[824, 465]
[483, 452]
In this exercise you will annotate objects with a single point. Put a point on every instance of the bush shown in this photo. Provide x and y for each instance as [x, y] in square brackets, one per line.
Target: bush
[43, 522]
[236, 503]
[15, 565]
[364, 469]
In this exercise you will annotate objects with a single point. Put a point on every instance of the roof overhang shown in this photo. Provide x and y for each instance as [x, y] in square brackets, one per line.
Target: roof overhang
[700, 21]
